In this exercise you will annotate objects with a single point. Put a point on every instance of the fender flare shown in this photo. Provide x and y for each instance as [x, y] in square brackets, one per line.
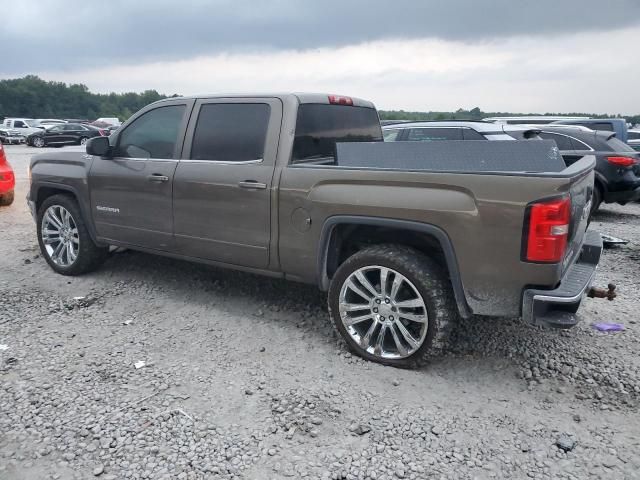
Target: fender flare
[436, 232]
[35, 189]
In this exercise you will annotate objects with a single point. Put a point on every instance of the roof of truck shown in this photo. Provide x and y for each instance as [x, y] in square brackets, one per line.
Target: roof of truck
[302, 97]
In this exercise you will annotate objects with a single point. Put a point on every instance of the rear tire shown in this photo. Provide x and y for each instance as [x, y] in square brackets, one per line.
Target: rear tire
[88, 255]
[83, 140]
[6, 199]
[422, 284]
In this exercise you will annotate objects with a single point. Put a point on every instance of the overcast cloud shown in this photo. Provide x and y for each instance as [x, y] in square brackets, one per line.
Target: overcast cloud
[544, 55]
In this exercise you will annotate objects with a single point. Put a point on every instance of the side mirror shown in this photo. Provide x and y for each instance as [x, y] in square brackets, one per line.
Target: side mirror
[99, 147]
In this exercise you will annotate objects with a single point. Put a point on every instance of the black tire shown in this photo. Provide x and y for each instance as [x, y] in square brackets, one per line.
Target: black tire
[6, 199]
[429, 279]
[82, 141]
[38, 142]
[596, 199]
[90, 256]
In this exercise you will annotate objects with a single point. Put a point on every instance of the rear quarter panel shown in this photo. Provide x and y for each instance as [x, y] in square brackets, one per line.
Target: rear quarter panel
[482, 214]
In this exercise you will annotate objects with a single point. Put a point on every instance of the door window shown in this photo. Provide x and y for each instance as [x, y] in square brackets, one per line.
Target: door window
[231, 132]
[434, 134]
[19, 124]
[152, 135]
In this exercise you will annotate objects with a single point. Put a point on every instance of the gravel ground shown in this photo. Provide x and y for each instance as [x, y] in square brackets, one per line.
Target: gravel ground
[244, 378]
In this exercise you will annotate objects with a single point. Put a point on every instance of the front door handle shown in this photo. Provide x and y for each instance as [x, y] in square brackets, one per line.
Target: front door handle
[156, 177]
[252, 185]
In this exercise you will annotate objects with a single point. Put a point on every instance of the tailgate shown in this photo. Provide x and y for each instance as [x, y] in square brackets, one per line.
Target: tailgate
[580, 188]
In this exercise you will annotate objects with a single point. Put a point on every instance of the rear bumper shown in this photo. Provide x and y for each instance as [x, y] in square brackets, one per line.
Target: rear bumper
[557, 308]
[622, 196]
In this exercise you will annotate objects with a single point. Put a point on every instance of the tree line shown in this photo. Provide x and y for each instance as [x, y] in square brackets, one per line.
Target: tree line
[33, 97]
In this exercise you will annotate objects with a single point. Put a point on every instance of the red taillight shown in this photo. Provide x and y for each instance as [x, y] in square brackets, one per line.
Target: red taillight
[336, 100]
[102, 133]
[622, 161]
[548, 230]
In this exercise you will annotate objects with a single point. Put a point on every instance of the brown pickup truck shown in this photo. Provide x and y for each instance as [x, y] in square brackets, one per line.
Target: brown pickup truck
[404, 242]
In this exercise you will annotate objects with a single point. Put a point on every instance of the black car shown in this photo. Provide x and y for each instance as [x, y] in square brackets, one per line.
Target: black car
[617, 164]
[64, 134]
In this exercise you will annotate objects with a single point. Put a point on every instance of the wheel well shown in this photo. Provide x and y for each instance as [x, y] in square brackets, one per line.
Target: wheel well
[46, 192]
[348, 239]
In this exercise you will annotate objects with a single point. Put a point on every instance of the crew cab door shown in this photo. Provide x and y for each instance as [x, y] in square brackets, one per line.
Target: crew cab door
[222, 186]
[131, 193]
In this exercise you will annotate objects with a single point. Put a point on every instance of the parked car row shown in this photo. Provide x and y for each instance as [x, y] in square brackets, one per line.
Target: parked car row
[617, 171]
[20, 130]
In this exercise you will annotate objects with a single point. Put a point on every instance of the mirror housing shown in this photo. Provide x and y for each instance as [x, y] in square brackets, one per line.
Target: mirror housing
[99, 146]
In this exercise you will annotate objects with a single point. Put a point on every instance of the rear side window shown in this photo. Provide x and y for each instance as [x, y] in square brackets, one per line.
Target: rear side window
[634, 135]
[231, 132]
[579, 145]
[319, 127]
[391, 135]
[434, 134]
[562, 141]
[152, 135]
[470, 134]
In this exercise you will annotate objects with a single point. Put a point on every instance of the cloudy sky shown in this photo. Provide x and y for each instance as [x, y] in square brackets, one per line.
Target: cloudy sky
[500, 55]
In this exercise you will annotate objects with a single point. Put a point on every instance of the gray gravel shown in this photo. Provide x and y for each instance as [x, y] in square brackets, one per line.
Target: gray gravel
[244, 378]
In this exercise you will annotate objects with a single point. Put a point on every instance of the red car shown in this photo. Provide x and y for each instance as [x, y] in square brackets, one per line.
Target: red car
[7, 180]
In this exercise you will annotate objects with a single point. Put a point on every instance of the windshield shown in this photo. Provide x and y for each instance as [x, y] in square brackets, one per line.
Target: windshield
[319, 127]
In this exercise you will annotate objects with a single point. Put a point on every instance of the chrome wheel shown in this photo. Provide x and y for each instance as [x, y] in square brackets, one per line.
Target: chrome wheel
[60, 236]
[383, 312]
[38, 142]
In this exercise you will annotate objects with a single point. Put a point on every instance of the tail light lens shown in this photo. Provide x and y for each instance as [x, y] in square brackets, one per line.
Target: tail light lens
[548, 230]
[336, 100]
[102, 133]
[622, 161]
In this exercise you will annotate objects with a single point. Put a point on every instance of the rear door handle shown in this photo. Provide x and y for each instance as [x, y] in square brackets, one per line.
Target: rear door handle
[156, 177]
[252, 185]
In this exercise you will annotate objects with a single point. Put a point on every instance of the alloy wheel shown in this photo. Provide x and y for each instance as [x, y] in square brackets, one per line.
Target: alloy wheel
[383, 312]
[38, 142]
[60, 236]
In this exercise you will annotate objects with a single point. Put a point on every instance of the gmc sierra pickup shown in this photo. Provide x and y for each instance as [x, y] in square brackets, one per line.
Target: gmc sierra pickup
[272, 185]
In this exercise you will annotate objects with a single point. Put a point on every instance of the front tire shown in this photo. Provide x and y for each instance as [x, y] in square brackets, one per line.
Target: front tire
[392, 305]
[6, 199]
[38, 142]
[63, 237]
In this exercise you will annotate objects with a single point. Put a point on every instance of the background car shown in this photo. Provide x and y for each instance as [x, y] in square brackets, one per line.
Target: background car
[617, 164]
[7, 180]
[618, 125]
[66, 134]
[455, 130]
[634, 139]
[10, 135]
